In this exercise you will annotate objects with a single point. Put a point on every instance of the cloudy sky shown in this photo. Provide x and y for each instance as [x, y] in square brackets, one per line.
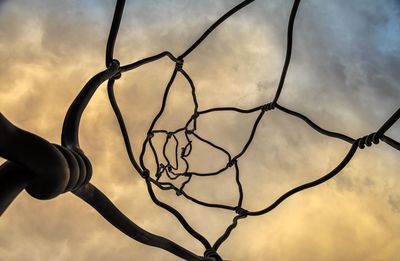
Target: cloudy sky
[344, 75]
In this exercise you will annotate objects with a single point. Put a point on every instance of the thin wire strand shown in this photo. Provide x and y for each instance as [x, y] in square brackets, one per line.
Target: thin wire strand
[112, 37]
[214, 26]
[288, 50]
[173, 171]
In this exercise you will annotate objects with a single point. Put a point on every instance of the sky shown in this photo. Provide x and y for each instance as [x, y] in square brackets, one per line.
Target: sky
[343, 75]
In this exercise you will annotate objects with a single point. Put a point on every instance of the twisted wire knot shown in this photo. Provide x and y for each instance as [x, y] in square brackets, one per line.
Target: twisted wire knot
[211, 252]
[241, 211]
[231, 162]
[179, 64]
[179, 192]
[115, 63]
[161, 166]
[368, 140]
[169, 168]
[80, 168]
[268, 107]
[189, 132]
[145, 173]
[183, 150]
[78, 173]
[150, 135]
[195, 115]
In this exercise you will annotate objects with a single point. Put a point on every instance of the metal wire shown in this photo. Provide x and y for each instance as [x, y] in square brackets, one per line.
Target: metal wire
[189, 130]
[46, 170]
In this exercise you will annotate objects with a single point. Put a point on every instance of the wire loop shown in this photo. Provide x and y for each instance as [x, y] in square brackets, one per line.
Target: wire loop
[368, 140]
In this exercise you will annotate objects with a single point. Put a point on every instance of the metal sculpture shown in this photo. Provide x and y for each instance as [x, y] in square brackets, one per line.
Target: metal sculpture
[47, 170]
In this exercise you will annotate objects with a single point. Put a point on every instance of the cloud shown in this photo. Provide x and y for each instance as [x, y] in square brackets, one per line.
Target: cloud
[394, 201]
[343, 75]
[2, 2]
[338, 60]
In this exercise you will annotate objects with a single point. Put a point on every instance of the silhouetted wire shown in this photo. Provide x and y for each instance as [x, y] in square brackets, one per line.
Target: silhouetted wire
[95, 198]
[214, 26]
[124, 132]
[288, 50]
[172, 171]
[386, 126]
[112, 37]
[144, 61]
[315, 126]
[178, 215]
[391, 142]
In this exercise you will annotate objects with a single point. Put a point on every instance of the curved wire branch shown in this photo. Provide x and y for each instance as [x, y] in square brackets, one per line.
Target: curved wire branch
[147, 60]
[13, 180]
[315, 126]
[70, 131]
[112, 36]
[391, 142]
[178, 215]
[95, 198]
[309, 185]
[288, 50]
[213, 27]
[227, 232]
[124, 132]
[388, 124]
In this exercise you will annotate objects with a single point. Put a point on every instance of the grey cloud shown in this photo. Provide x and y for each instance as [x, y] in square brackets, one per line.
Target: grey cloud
[357, 184]
[394, 201]
[2, 2]
[339, 69]
[339, 43]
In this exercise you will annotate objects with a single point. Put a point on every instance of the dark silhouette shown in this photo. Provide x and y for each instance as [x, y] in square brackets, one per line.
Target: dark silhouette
[46, 170]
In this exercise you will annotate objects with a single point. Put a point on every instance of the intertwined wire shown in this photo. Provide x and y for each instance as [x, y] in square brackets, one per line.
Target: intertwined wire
[172, 170]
